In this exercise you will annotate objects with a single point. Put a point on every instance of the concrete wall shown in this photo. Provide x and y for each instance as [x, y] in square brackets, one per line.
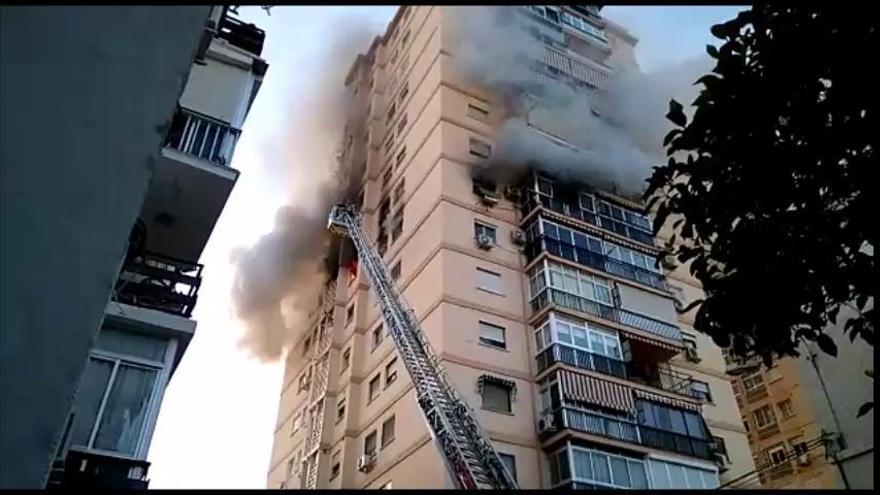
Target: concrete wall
[87, 94]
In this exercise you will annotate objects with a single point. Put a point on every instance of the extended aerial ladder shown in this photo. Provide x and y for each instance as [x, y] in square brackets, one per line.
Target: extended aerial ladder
[469, 456]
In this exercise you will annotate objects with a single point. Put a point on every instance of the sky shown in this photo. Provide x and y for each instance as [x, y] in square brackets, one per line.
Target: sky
[218, 416]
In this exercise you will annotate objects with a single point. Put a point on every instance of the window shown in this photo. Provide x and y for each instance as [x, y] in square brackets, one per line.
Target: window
[671, 475]
[291, 467]
[340, 410]
[349, 314]
[370, 444]
[391, 112]
[753, 381]
[487, 230]
[570, 280]
[307, 345]
[378, 335]
[373, 390]
[488, 281]
[496, 397]
[386, 486]
[391, 372]
[478, 113]
[387, 432]
[776, 453]
[304, 379]
[509, 464]
[721, 447]
[346, 360]
[400, 156]
[334, 465]
[296, 423]
[492, 335]
[690, 349]
[397, 197]
[395, 271]
[700, 390]
[405, 38]
[386, 177]
[480, 148]
[397, 224]
[786, 408]
[798, 445]
[402, 96]
[663, 417]
[764, 417]
[746, 426]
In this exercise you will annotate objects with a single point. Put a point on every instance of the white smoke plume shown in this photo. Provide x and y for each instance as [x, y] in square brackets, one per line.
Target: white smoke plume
[278, 278]
[495, 50]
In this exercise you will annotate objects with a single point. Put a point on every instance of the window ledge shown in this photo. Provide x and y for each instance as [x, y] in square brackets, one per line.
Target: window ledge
[387, 444]
[495, 348]
[490, 291]
[498, 411]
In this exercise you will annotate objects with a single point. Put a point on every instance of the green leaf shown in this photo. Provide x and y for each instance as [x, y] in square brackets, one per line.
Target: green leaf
[865, 409]
[676, 115]
[717, 31]
[827, 344]
[712, 51]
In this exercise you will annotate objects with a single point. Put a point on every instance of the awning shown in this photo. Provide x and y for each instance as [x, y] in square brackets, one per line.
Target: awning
[596, 391]
[508, 384]
[641, 394]
[654, 341]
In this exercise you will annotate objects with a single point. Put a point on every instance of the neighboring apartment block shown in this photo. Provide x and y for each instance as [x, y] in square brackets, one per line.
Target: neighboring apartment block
[187, 125]
[541, 298]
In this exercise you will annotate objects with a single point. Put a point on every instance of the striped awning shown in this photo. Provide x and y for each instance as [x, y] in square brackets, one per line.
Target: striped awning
[654, 341]
[604, 393]
[641, 394]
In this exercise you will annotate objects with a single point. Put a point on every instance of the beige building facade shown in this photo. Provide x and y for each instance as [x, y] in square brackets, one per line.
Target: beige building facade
[548, 315]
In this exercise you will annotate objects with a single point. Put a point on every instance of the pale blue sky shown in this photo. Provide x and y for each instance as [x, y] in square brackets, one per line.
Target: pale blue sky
[218, 417]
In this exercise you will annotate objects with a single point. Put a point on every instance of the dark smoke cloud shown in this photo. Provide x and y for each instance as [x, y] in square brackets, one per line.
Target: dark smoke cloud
[616, 151]
[278, 278]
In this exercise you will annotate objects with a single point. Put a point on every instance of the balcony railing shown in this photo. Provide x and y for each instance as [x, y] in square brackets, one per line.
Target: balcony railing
[626, 431]
[592, 259]
[653, 376]
[549, 295]
[90, 471]
[574, 210]
[158, 282]
[202, 136]
[248, 37]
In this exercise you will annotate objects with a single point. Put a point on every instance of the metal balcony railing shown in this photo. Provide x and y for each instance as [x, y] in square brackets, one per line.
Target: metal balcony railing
[90, 471]
[574, 210]
[549, 295]
[202, 136]
[653, 376]
[592, 259]
[158, 282]
[627, 431]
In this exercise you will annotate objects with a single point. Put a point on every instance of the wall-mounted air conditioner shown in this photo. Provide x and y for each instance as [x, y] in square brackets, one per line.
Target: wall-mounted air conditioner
[485, 242]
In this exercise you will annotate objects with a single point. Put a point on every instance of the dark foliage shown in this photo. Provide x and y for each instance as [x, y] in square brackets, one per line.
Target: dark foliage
[770, 185]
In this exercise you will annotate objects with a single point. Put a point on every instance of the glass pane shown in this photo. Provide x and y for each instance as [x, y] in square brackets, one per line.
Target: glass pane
[586, 288]
[600, 468]
[88, 399]
[676, 419]
[571, 283]
[580, 337]
[694, 425]
[551, 230]
[710, 479]
[637, 475]
[563, 333]
[676, 476]
[582, 467]
[565, 235]
[694, 480]
[132, 344]
[597, 343]
[556, 279]
[658, 474]
[126, 409]
[603, 294]
[554, 470]
[620, 472]
[612, 348]
[594, 245]
[580, 241]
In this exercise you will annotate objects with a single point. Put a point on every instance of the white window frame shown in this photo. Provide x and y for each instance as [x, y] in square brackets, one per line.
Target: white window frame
[496, 276]
[582, 278]
[573, 475]
[774, 449]
[488, 229]
[771, 417]
[750, 383]
[790, 408]
[489, 341]
[610, 338]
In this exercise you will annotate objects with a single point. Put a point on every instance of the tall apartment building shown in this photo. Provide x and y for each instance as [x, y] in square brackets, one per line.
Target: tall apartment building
[541, 299]
[119, 125]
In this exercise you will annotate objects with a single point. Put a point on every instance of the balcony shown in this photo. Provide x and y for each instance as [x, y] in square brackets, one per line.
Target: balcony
[202, 136]
[629, 432]
[248, 37]
[158, 282]
[652, 376]
[573, 209]
[592, 259]
[90, 471]
[549, 296]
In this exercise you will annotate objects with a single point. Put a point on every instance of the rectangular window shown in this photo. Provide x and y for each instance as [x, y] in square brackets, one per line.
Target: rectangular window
[401, 97]
[400, 157]
[509, 464]
[395, 271]
[346, 360]
[401, 125]
[480, 148]
[370, 444]
[334, 465]
[340, 410]
[349, 314]
[753, 381]
[492, 335]
[296, 423]
[373, 390]
[776, 453]
[764, 417]
[786, 408]
[386, 177]
[496, 397]
[478, 113]
[391, 372]
[482, 229]
[798, 445]
[376, 340]
[307, 345]
[304, 379]
[387, 432]
[721, 447]
[700, 390]
[488, 281]
[397, 224]
[397, 196]
[391, 112]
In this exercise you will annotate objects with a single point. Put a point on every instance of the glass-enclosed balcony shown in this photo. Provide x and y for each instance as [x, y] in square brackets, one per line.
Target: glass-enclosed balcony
[556, 284]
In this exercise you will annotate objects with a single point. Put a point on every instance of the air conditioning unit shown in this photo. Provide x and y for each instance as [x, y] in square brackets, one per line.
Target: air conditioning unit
[365, 463]
[489, 198]
[803, 459]
[546, 424]
[691, 355]
[518, 237]
[512, 193]
[485, 242]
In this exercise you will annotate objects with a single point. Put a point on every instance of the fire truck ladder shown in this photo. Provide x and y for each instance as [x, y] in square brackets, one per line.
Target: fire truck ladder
[318, 391]
[469, 456]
